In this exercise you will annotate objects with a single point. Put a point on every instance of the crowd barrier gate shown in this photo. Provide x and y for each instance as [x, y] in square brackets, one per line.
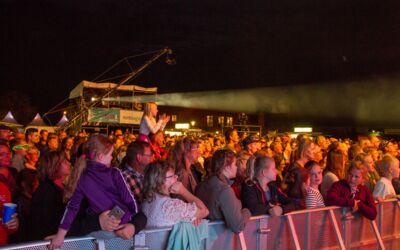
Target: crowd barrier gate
[324, 228]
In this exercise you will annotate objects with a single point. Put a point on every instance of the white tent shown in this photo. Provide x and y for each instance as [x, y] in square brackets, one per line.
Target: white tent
[37, 121]
[62, 121]
[10, 121]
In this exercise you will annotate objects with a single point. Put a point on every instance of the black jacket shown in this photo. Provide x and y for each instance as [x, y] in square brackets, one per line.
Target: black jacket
[254, 199]
[47, 209]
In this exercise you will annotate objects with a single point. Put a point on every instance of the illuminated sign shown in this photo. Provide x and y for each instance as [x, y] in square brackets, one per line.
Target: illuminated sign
[182, 125]
[303, 130]
[173, 133]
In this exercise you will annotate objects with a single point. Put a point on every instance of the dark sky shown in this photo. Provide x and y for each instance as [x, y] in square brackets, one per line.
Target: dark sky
[47, 47]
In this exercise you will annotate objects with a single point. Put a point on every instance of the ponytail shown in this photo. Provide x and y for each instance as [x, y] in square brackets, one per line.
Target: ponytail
[79, 167]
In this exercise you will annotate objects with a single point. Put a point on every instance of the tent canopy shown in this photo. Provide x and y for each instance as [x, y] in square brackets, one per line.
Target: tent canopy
[62, 121]
[78, 90]
[37, 121]
[9, 120]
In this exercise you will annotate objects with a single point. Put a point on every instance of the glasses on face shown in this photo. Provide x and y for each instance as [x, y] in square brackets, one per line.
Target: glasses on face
[148, 155]
[194, 149]
[171, 176]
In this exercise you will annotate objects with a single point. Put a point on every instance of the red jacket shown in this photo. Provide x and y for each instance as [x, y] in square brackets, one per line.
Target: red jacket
[340, 195]
[5, 197]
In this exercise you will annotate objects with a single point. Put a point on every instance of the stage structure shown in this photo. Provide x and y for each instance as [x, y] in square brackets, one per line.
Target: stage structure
[108, 111]
[96, 105]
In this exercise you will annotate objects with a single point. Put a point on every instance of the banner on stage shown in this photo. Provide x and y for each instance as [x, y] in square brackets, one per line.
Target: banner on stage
[114, 116]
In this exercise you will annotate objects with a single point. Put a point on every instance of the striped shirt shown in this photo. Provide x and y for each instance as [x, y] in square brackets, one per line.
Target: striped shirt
[314, 198]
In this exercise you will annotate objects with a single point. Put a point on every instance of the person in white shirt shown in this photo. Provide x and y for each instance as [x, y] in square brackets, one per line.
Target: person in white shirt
[384, 188]
[148, 123]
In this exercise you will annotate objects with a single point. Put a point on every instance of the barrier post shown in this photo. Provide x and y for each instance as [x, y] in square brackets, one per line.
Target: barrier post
[293, 233]
[242, 241]
[99, 244]
[337, 230]
[347, 217]
[262, 233]
[380, 217]
[308, 230]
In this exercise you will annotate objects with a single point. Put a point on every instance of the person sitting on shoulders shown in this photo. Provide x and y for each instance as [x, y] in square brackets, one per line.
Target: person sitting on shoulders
[148, 123]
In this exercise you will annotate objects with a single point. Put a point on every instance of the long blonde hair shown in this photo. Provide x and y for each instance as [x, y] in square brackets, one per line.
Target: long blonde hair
[147, 107]
[95, 146]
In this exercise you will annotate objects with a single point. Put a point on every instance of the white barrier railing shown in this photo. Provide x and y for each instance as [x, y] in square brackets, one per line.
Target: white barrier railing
[324, 228]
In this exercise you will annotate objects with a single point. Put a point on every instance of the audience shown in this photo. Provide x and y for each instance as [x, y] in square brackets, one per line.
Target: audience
[306, 169]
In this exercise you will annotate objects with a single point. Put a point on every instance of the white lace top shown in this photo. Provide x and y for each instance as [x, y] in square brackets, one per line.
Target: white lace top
[166, 211]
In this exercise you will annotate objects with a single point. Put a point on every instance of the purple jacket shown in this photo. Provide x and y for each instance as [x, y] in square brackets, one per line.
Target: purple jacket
[104, 187]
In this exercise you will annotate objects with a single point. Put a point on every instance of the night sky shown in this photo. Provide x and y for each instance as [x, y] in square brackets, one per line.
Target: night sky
[48, 47]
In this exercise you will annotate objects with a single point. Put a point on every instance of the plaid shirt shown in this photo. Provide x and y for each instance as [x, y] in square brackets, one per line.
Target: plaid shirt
[135, 182]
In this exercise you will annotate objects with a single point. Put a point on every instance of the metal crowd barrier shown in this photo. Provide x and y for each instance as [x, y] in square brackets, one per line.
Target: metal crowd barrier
[324, 228]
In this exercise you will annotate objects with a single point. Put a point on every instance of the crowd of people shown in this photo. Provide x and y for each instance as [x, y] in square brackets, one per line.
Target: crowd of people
[67, 185]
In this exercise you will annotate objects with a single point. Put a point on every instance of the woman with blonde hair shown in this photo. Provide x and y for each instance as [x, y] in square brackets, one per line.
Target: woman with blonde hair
[148, 123]
[305, 152]
[159, 182]
[261, 194]
[373, 175]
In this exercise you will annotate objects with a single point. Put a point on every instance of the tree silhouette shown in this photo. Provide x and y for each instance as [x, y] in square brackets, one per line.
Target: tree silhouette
[19, 104]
